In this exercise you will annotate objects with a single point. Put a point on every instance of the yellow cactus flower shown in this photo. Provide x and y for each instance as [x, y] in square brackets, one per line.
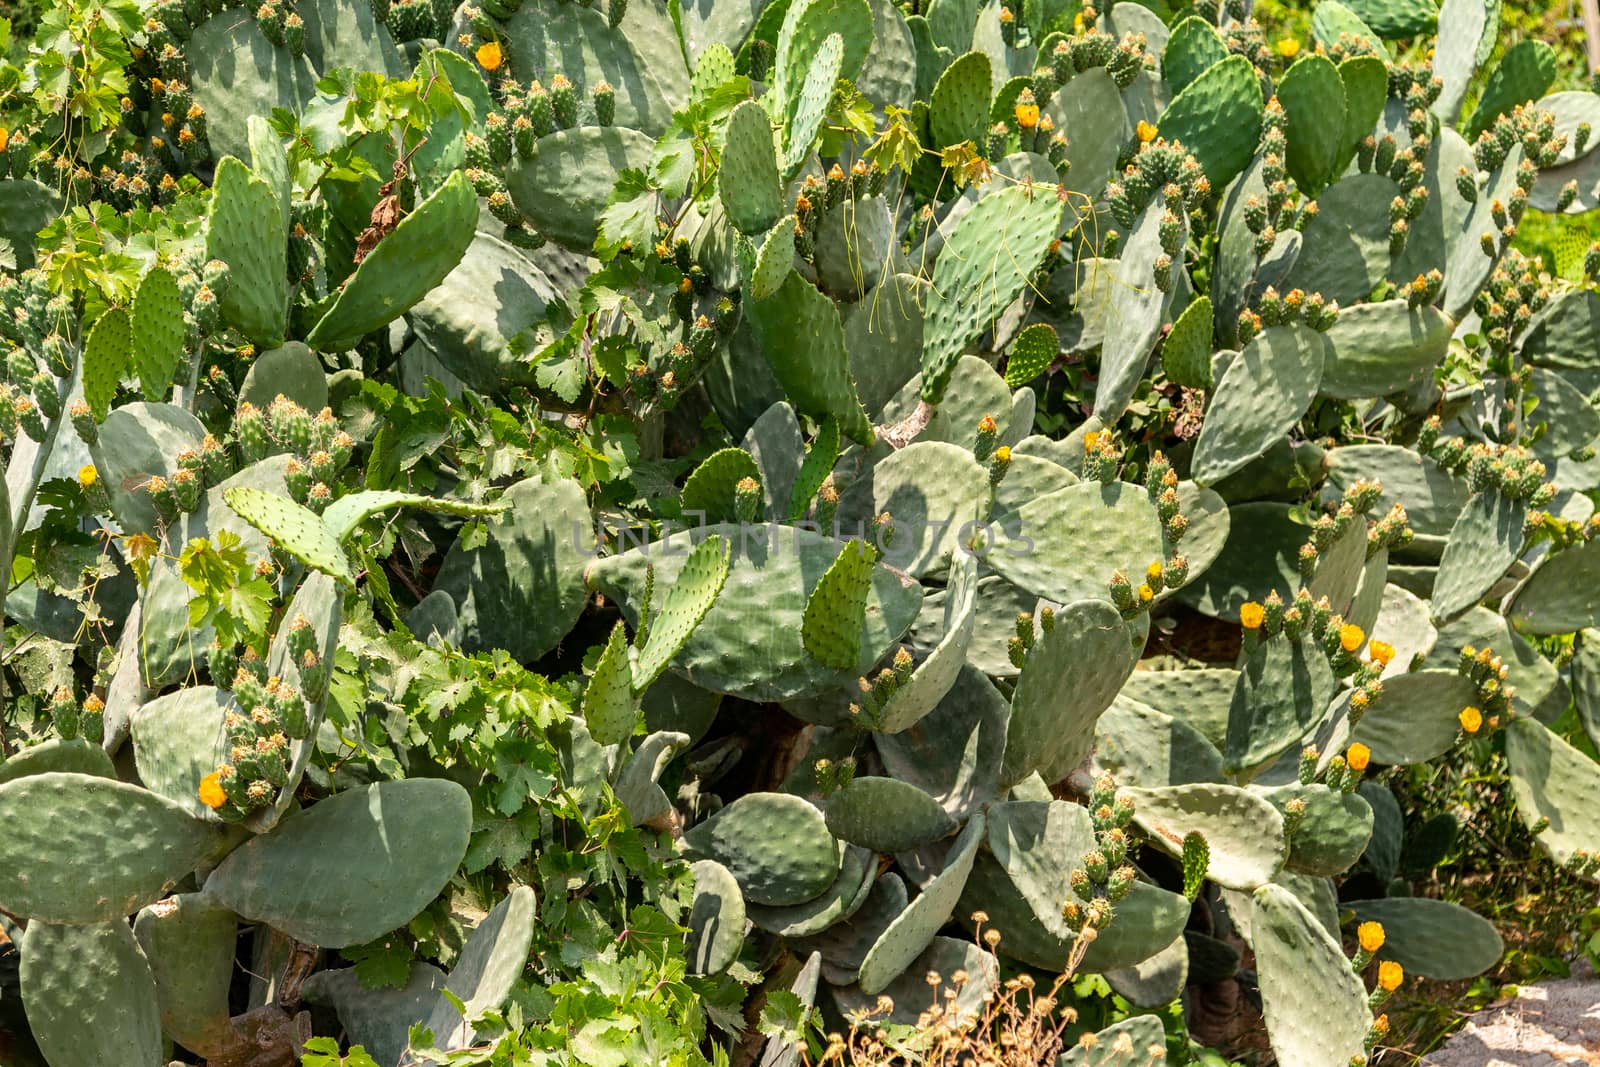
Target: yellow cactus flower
[1003, 453]
[87, 475]
[211, 792]
[1251, 615]
[1351, 637]
[1381, 652]
[1146, 594]
[1358, 756]
[1370, 934]
[1288, 47]
[1471, 719]
[1154, 572]
[1077, 23]
[1090, 439]
[490, 56]
[1390, 975]
[1146, 132]
[1027, 113]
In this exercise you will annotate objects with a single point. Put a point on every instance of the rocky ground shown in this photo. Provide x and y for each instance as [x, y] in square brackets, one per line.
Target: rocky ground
[1548, 1023]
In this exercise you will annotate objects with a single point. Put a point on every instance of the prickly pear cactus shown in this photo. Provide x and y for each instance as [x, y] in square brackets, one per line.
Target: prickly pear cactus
[782, 483]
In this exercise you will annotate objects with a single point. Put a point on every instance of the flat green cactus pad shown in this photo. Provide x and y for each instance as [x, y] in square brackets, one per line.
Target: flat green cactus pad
[1217, 117]
[1333, 833]
[1433, 938]
[1038, 844]
[1193, 48]
[1312, 95]
[298, 530]
[189, 944]
[1186, 352]
[803, 341]
[1384, 347]
[935, 675]
[710, 488]
[887, 815]
[89, 995]
[1414, 719]
[914, 929]
[351, 510]
[488, 967]
[716, 918]
[87, 850]
[636, 783]
[1315, 1005]
[910, 994]
[776, 845]
[748, 180]
[291, 370]
[353, 866]
[1525, 72]
[377, 1019]
[1563, 595]
[751, 643]
[523, 588]
[1146, 747]
[858, 873]
[1067, 544]
[410, 260]
[178, 740]
[247, 231]
[1282, 692]
[157, 333]
[1485, 540]
[958, 110]
[74, 757]
[845, 944]
[237, 73]
[803, 39]
[1151, 920]
[935, 492]
[1135, 1041]
[609, 709]
[1266, 389]
[1243, 831]
[982, 268]
[953, 753]
[831, 625]
[1071, 675]
[1134, 317]
[696, 589]
[1553, 781]
[107, 356]
[1467, 33]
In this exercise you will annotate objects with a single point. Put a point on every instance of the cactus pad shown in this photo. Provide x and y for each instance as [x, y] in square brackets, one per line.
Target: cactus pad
[1433, 938]
[748, 179]
[1383, 347]
[73, 757]
[88, 850]
[1217, 117]
[352, 867]
[246, 231]
[831, 624]
[696, 589]
[1071, 675]
[89, 995]
[1555, 783]
[1283, 690]
[1315, 1005]
[190, 944]
[1262, 394]
[1485, 540]
[1243, 830]
[1312, 95]
[716, 919]
[858, 873]
[178, 740]
[157, 333]
[409, 261]
[803, 341]
[777, 847]
[958, 110]
[914, 929]
[1134, 1042]
[982, 268]
[488, 967]
[1067, 543]
[609, 709]
[107, 356]
[886, 815]
[296, 529]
